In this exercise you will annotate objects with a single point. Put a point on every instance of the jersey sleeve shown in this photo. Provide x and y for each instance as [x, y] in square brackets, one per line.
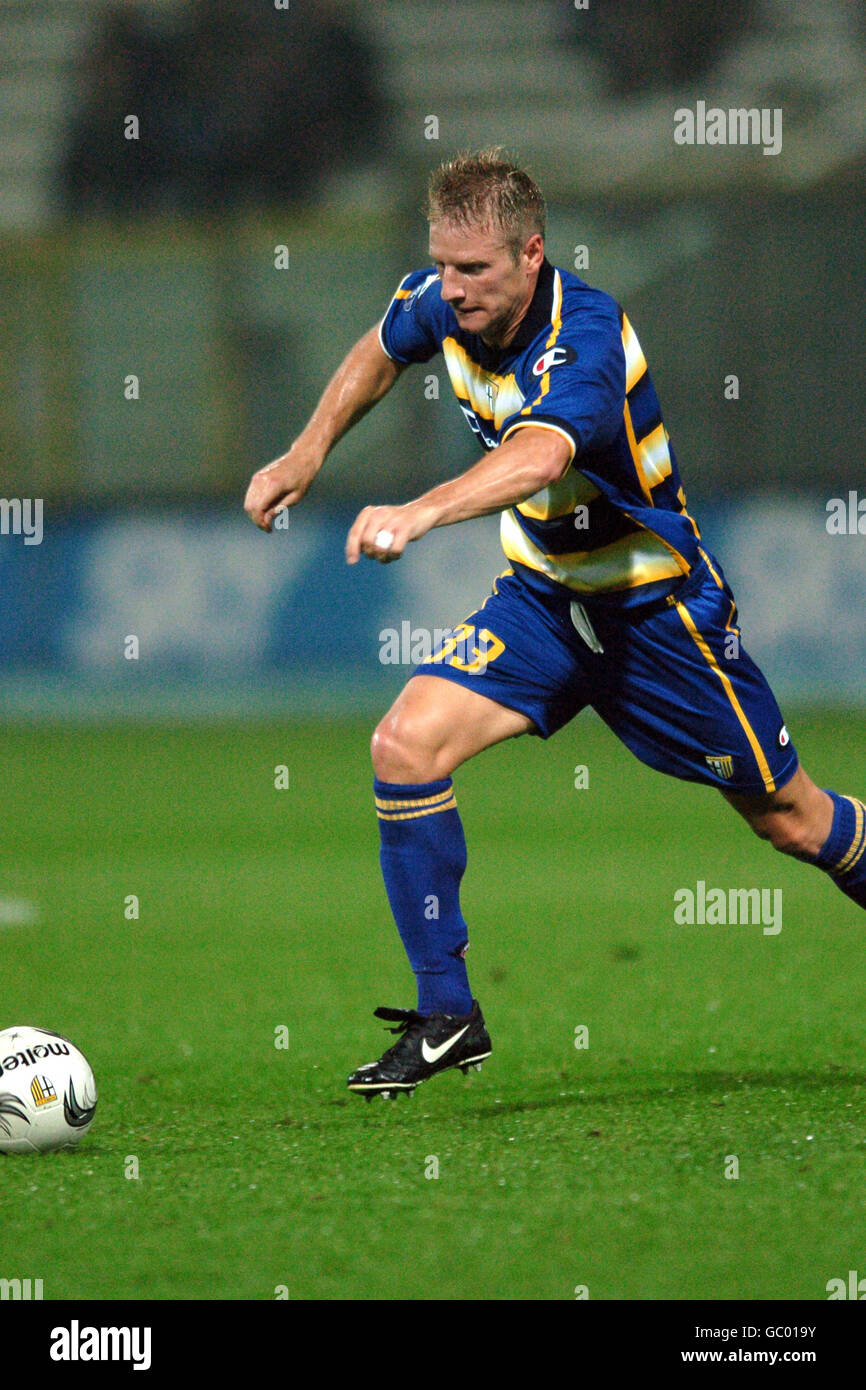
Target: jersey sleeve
[576, 384]
[411, 328]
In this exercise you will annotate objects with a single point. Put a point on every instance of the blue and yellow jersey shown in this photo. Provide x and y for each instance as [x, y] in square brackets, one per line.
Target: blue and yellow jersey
[614, 528]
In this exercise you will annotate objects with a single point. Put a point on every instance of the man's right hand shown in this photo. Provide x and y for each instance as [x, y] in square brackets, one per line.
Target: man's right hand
[280, 484]
[362, 379]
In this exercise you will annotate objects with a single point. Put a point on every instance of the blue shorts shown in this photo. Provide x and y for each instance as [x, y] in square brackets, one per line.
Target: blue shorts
[674, 683]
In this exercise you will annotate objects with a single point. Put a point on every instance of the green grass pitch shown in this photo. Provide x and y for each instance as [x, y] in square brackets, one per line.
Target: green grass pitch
[559, 1167]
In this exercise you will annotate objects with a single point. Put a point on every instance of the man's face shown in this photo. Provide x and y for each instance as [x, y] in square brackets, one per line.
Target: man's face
[488, 291]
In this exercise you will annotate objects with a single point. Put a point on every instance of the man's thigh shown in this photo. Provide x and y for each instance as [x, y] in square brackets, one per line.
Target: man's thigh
[518, 652]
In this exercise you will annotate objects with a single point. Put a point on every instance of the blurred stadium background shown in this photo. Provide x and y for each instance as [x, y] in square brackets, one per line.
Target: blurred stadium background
[167, 907]
[312, 127]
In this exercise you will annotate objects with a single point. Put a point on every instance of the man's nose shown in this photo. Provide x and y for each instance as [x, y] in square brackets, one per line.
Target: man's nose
[452, 286]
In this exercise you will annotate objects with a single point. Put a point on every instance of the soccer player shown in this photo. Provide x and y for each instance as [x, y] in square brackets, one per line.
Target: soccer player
[610, 598]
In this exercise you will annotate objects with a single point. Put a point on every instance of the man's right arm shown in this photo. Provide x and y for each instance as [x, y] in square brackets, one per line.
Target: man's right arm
[363, 378]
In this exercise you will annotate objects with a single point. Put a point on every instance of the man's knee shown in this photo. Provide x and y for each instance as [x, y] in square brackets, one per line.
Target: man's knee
[795, 820]
[436, 725]
[402, 750]
[786, 833]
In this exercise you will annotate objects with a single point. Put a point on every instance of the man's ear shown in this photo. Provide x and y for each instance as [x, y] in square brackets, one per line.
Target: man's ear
[533, 250]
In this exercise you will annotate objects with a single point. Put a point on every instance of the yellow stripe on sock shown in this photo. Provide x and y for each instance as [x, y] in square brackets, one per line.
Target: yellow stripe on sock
[406, 804]
[858, 844]
[856, 858]
[703, 647]
[414, 815]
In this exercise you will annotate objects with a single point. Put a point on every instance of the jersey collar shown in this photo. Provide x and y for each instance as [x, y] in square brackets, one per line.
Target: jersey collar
[538, 315]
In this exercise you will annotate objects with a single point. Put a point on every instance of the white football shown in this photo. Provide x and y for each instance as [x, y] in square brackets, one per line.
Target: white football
[47, 1091]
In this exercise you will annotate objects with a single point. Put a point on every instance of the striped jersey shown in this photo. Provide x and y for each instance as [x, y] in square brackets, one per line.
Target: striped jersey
[614, 528]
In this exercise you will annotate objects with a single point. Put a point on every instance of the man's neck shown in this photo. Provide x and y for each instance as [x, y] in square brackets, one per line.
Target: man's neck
[503, 338]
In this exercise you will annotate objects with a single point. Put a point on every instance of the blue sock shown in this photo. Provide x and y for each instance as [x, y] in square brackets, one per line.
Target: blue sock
[423, 858]
[842, 854]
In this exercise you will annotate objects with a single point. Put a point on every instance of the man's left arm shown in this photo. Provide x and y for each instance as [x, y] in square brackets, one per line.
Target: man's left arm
[531, 459]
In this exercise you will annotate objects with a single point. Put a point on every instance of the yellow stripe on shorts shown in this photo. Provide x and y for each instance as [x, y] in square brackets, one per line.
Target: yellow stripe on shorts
[703, 647]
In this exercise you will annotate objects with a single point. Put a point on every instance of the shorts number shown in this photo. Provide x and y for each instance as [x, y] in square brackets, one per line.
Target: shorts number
[472, 656]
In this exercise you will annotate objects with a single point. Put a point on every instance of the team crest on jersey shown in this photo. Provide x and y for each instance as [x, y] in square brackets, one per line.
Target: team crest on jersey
[721, 764]
[554, 357]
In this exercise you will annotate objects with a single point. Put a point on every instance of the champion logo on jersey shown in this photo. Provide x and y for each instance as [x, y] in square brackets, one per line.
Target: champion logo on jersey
[784, 737]
[554, 357]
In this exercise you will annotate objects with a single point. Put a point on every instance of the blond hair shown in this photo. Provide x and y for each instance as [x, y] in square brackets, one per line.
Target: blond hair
[483, 189]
